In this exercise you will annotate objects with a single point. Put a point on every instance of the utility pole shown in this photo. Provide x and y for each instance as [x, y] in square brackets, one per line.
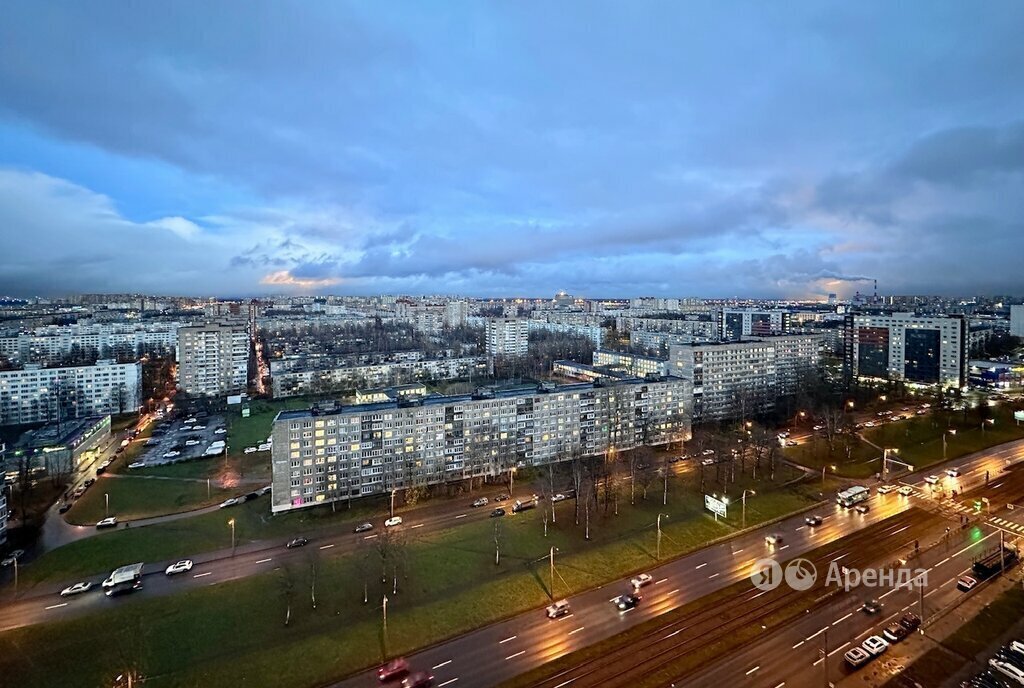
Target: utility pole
[385, 608]
[106, 508]
[824, 658]
[659, 535]
[1002, 558]
[552, 558]
[393, 502]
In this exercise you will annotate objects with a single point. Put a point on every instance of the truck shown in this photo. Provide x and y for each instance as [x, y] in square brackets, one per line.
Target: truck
[521, 505]
[132, 573]
[993, 562]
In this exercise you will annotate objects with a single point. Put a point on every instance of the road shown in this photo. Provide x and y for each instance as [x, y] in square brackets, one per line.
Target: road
[498, 652]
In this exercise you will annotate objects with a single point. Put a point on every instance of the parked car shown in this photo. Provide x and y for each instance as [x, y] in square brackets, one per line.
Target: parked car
[559, 608]
[420, 679]
[641, 580]
[906, 490]
[558, 497]
[109, 522]
[14, 556]
[297, 542]
[363, 527]
[708, 452]
[871, 607]
[183, 566]
[910, 621]
[707, 462]
[966, 583]
[250, 450]
[191, 443]
[231, 501]
[812, 521]
[482, 501]
[396, 668]
[791, 443]
[501, 498]
[76, 589]
[171, 454]
[894, 633]
[875, 645]
[857, 657]
[626, 602]
[393, 521]
[64, 508]
[264, 490]
[497, 513]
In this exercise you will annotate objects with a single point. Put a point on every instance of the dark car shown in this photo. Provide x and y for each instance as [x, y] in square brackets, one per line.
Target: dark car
[100, 470]
[813, 520]
[627, 601]
[420, 679]
[396, 668]
[894, 633]
[871, 607]
[297, 542]
[501, 498]
[910, 621]
[90, 482]
[363, 527]
[861, 508]
[252, 495]
[497, 512]
[64, 508]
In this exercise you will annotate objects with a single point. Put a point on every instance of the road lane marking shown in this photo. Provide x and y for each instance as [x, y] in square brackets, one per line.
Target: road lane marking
[576, 630]
[753, 670]
[370, 537]
[438, 666]
[942, 562]
[783, 547]
[737, 552]
[702, 565]
[899, 531]
[763, 592]
[781, 684]
[838, 648]
[840, 556]
[841, 619]
[200, 575]
[659, 582]
[799, 644]
[264, 561]
[800, 527]
[418, 525]
[448, 682]
[886, 594]
[326, 546]
[521, 652]
[58, 606]
[712, 575]
[508, 639]
[673, 592]
[565, 683]
[811, 637]
[461, 516]
[673, 633]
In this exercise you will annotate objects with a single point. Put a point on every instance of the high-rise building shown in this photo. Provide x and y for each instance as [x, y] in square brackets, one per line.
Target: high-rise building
[736, 323]
[37, 395]
[507, 336]
[213, 358]
[342, 453]
[922, 350]
[1017, 320]
[3, 495]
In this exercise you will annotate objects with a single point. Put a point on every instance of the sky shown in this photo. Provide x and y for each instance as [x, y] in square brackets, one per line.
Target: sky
[506, 148]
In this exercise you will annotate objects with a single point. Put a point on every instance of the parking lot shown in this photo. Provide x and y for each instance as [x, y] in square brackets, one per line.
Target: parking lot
[184, 440]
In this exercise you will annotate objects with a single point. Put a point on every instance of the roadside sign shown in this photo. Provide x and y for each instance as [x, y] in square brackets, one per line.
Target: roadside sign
[716, 506]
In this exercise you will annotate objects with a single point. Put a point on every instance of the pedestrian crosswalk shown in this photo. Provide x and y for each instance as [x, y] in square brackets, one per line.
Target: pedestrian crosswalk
[1008, 525]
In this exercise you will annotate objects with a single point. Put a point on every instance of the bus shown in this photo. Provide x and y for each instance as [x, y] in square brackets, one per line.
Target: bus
[854, 495]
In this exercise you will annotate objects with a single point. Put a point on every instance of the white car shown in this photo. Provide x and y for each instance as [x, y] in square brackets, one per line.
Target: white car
[264, 490]
[232, 501]
[818, 427]
[250, 450]
[641, 580]
[558, 497]
[559, 608]
[75, 589]
[12, 557]
[137, 464]
[109, 522]
[906, 490]
[220, 431]
[857, 657]
[707, 462]
[953, 472]
[875, 645]
[199, 427]
[932, 480]
[482, 501]
[708, 452]
[393, 521]
[191, 443]
[171, 454]
[886, 489]
[182, 566]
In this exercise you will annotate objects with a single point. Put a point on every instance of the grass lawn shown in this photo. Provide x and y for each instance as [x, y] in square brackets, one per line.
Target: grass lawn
[814, 454]
[133, 497]
[251, 431]
[448, 583]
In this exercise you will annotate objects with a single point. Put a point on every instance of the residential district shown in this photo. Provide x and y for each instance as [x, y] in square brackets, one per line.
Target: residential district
[407, 490]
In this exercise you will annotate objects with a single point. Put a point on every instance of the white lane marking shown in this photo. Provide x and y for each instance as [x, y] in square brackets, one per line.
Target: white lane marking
[838, 648]
[799, 644]
[932, 592]
[956, 554]
[673, 633]
[899, 531]
[264, 561]
[753, 670]
[508, 639]
[576, 630]
[800, 527]
[448, 682]
[841, 619]
[701, 565]
[942, 562]
[461, 516]
[886, 594]
[521, 652]
[737, 552]
[946, 583]
[712, 575]
[326, 546]
[783, 547]
[370, 537]
[840, 556]
[659, 582]
[438, 666]
[564, 683]
[673, 592]
[58, 606]
[418, 525]
[781, 684]
[763, 592]
[811, 637]
[200, 575]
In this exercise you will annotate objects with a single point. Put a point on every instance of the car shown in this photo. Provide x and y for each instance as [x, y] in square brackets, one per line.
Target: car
[420, 679]
[393, 521]
[497, 513]
[297, 542]
[89, 483]
[953, 472]
[708, 452]
[76, 589]
[64, 508]
[171, 454]
[886, 489]
[783, 435]
[894, 633]
[816, 428]
[231, 501]
[501, 498]
[707, 462]
[875, 645]
[101, 469]
[250, 450]
[183, 566]
[12, 557]
[641, 580]
[869, 424]
[626, 602]
[108, 522]
[123, 588]
[773, 539]
[482, 501]
[559, 608]
[191, 443]
[906, 490]
[813, 520]
[857, 657]
[220, 431]
[861, 508]
[396, 668]
[966, 583]
[932, 480]
[1004, 665]
[264, 490]
[910, 621]
[871, 607]
[142, 464]
[363, 527]
[79, 491]
[199, 427]
[791, 443]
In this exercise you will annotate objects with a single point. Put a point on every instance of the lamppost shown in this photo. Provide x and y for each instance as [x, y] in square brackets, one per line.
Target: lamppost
[743, 499]
[849, 405]
[551, 556]
[885, 459]
[393, 491]
[232, 524]
[990, 421]
[950, 431]
[106, 500]
[658, 555]
[832, 468]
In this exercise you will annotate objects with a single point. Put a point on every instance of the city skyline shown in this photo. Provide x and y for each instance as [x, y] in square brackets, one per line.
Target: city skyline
[357, 150]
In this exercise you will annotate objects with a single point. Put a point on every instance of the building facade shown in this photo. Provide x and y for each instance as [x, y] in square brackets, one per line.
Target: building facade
[50, 344]
[736, 323]
[507, 336]
[298, 382]
[340, 454]
[921, 350]
[38, 395]
[592, 332]
[633, 364]
[213, 359]
[1017, 320]
[4, 513]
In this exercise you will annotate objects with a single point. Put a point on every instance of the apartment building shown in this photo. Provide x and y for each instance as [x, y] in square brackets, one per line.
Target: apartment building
[213, 358]
[592, 332]
[736, 323]
[507, 336]
[35, 394]
[50, 344]
[343, 453]
[300, 381]
[633, 364]
[1017, 320]
[740, 379]
[4, 513]
[920, 350]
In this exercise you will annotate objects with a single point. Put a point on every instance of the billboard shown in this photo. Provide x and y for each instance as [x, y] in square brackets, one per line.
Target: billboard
[1018, 416]
[234, 399]
[716, 506]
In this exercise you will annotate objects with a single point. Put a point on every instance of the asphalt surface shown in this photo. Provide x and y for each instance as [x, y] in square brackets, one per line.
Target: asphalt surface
[498, 652]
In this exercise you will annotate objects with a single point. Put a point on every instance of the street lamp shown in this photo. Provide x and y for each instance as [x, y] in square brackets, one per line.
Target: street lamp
[393, 491]
[832, 468]
[951, 431]
[990, 421]
[232, 524]
[743, 499]
[885, 458]
[658, 555]
[106, 508]
[551, 556]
